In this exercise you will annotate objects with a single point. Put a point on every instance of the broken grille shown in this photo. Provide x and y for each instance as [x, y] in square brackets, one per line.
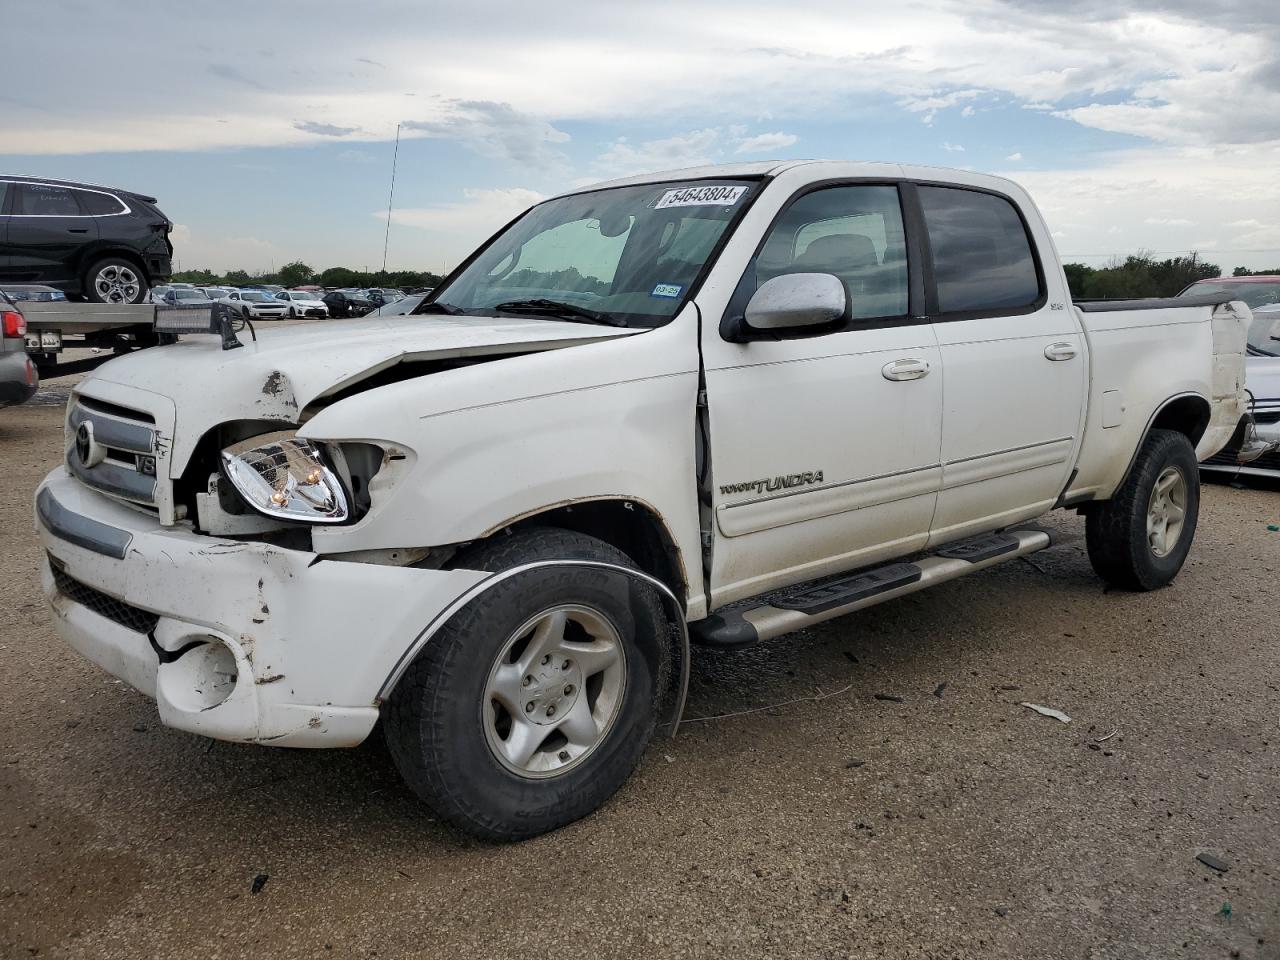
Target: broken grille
[128, 616]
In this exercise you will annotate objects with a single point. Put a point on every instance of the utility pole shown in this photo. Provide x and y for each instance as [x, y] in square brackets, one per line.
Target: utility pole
[391, 196]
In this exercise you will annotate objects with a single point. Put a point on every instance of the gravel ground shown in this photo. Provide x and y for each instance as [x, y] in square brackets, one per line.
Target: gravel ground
[956, 823]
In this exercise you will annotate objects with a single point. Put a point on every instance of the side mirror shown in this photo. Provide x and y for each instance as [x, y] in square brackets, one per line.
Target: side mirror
[798, 303]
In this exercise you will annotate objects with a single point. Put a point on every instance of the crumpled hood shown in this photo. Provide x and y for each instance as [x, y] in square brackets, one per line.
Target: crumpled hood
[290, 367]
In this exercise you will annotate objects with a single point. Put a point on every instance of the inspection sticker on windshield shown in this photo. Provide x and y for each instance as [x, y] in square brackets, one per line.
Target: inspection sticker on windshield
[700, 197]
[668, 290]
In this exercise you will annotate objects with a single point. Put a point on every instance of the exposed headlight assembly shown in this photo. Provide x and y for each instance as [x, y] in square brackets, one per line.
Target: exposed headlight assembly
[287, 478]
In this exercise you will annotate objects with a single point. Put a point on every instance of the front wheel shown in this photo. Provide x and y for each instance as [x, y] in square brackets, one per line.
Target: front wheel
[534, 704]
[1139, 539]
[115, 280]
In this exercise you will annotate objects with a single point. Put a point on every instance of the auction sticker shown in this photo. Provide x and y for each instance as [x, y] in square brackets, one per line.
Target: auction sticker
[721, 196]
[668, 290]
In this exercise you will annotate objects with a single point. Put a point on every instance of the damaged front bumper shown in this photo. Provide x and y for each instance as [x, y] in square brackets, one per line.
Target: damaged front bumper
[235, 640]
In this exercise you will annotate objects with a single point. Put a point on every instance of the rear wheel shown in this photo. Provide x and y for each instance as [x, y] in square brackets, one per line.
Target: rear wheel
[1140, 538]
[536, 701]
[115, 280]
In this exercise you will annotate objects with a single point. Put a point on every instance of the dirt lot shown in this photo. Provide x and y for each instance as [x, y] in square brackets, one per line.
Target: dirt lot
[955, 824]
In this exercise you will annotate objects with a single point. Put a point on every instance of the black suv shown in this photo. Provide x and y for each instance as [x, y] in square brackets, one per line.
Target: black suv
[106, 245]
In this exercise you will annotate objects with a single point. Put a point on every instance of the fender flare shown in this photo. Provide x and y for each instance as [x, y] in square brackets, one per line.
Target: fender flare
[674, 608]
[1150, 425]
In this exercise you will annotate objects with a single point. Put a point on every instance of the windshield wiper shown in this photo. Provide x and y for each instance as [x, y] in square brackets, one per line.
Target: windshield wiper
[562, 311]
[437, 306]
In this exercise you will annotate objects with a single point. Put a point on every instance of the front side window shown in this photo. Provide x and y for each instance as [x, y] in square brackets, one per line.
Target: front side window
[854, 232]
[46, 200]
[631, 253]
[982, 259]
[99, 204]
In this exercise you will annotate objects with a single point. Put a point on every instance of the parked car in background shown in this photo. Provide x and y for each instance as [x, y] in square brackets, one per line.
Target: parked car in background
[304, 303]
[379, 296]
[1262, 380]
[216, 293]
[401, 307]
[21, 292]
[156, 294]
[343, 304]
[255, 304]
[18, 377]
[100, 243]
[177, 296]
[1257, 291]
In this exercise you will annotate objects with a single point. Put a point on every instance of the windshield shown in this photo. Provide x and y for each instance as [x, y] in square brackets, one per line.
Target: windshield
[1263, 331]
[1254, 294]
[631, 253]
[257, 296]
[189, 295]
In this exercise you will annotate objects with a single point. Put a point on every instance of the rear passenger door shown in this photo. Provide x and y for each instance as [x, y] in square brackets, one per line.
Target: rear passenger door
[47, 231]
[1013, 359]
[824, 449]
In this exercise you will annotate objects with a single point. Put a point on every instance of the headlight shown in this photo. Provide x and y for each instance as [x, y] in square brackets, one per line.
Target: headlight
[286, 478]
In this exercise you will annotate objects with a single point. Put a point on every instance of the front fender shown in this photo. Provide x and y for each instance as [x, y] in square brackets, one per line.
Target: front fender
[677, 654]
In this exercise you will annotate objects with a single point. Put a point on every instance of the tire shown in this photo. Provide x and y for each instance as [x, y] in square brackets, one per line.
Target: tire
[1123, 535]
[293, 314]
[443, 723]
[115, 280]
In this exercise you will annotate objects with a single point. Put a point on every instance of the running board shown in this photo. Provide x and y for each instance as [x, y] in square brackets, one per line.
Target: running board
[808, 604]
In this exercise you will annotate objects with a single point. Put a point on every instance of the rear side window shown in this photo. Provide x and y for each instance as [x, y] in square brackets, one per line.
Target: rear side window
[99, 204]
[45, 200]
[982, 259]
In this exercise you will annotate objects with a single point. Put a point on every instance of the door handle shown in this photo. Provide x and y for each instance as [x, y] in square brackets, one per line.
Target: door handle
[77, 229]
[1060, 351]
[908, 368]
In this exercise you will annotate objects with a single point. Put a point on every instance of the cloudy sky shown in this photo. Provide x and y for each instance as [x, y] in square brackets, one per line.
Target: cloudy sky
[266, 128]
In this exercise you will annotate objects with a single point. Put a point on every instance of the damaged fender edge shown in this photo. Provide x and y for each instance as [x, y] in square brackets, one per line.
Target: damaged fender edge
[675, 610]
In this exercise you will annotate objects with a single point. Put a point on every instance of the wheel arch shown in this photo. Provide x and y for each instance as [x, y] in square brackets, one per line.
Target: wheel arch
[1185, 413]
[633, 526]
[1188, 414]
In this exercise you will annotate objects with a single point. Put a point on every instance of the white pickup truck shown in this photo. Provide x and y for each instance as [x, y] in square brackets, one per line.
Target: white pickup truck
[720, 404]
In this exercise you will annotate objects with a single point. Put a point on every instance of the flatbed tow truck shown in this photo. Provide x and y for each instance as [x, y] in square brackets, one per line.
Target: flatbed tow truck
[113, 328]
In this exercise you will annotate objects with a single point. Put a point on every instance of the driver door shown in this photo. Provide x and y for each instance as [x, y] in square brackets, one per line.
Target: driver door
[825, 450]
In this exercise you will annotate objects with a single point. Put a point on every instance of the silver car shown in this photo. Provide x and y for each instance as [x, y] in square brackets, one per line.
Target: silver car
[18, 377]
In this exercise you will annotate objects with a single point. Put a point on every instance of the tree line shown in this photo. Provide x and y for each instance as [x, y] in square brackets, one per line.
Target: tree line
[1141, 275]
[299, 274]
[1137, 275]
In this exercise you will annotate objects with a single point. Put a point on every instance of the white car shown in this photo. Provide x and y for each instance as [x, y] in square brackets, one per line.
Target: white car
[256, 304]
[724, 403]
[1262, 380]
[304, 303]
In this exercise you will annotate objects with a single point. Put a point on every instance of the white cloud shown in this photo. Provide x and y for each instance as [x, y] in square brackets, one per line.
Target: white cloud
[479, 213]
[1167, 221]
[1108, 206]
[495, 130]
[952, 148]
[1014, 157]
[764, 142]
[967, 112]
[357, 156]
[684, 150]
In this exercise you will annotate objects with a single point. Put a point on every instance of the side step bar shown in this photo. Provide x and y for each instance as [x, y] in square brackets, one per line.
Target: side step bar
[809, 604]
